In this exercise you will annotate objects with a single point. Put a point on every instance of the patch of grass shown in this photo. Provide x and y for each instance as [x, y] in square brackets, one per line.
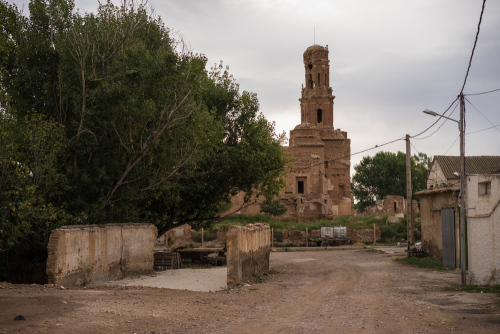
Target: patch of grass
[422, 262]
[395, 231]
[475, 288]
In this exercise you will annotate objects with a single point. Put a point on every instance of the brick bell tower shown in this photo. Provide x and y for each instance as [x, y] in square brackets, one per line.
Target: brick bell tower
[318, 186]
[316, 103]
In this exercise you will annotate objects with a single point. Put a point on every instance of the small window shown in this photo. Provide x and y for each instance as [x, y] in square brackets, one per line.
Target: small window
[395, 206]
[311, 81]
[300, 187]
[310, 66]
[320, 115]
[484, 188]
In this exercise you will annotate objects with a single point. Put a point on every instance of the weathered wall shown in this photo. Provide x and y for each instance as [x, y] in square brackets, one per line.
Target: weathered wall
[180, 235]
[431, 204]
[93, 253]
[248, 249]
[386, 206]
[483, 224]
[365, 235]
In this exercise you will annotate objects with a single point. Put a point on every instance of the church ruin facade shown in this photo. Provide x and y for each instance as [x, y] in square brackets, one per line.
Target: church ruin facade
[318, 187]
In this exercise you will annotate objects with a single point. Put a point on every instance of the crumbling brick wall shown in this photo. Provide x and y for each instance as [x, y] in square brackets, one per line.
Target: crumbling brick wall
[180, 235]
[366, 235]
[248, 249]
[79, 255]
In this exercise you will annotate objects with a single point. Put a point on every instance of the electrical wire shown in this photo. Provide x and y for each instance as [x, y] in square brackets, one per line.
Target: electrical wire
[414, 147]
[440, 125]
[347, 156]
[491, 127]
[474, 47]
[482, 114]
[490, 91]
[452, 145]
[441, 116]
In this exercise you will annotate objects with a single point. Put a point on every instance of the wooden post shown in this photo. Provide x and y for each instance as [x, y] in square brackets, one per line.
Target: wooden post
[374, 235]
[307, 238]
[272, 237]
[202, 237]
[409, 225]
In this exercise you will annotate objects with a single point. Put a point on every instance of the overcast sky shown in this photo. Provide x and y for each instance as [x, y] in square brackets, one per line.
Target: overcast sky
[389, 60]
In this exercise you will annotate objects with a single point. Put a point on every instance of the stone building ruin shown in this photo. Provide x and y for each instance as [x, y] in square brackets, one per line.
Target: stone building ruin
[318, 187]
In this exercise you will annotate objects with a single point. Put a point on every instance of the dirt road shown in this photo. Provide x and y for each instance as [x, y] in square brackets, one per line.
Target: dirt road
[353, 291]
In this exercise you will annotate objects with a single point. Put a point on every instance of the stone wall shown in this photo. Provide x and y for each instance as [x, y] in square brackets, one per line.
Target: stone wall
[366, 235]
[390, 205]
[180, 235]
[94, 253]
[248, 249]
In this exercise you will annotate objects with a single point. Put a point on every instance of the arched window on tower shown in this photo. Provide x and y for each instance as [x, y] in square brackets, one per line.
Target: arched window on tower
[311, 85]
[319, 114]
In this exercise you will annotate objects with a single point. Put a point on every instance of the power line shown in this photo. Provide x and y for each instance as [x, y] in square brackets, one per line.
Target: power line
[475, 42]
[441, 116]
[482, 114]
[414, 147]
[440, 125]
[451, 145]
[491, 127]
[347, 156]
[490, 91]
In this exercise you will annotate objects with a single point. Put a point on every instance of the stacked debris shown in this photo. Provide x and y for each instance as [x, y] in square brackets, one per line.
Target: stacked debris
[166, 260]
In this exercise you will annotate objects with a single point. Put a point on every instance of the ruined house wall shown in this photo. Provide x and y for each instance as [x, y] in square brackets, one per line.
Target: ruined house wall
[391, 204]
[365, 235]
[180, 235]
[93, 253]
[431, 205]
[483, 227]
[248, 249]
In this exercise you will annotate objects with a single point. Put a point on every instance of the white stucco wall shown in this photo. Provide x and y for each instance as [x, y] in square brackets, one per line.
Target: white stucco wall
[483, 221]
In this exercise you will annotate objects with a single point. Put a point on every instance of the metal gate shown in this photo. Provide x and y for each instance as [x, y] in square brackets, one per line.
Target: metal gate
[448, 235]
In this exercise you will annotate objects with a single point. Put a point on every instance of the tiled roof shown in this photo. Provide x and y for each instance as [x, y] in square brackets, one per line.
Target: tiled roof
[473, 165]
[440, 189]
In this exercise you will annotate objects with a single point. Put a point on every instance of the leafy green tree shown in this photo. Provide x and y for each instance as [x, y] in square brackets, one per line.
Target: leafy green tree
[385, 174]
[32, 187]
[142, 131]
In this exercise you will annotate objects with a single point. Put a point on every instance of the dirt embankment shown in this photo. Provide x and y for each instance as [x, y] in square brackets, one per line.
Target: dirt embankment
[350, 291]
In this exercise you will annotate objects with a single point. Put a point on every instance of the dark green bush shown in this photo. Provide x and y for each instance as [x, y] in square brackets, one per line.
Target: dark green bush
[275, 208]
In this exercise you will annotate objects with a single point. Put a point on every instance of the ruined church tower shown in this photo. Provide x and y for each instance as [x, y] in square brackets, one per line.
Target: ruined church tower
[318, 187]
[316, 103]
[319, 183]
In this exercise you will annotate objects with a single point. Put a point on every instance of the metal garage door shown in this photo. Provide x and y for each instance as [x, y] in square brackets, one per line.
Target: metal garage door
[448, 233]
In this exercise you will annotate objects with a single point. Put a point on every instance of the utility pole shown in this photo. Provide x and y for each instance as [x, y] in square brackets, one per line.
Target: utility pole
[462, 189]
[409, 207]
